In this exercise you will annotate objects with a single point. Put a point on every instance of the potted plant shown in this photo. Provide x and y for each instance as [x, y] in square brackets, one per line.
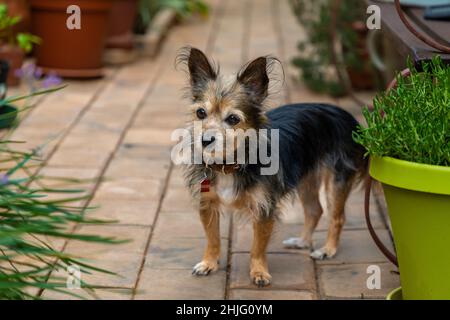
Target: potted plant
[19, 8]
[408, 139]
[13, 46]
[120, 42]
[123, 15]
[33, 79]
[315, 59]
[71, 52]
[148, 9]
[8, 113]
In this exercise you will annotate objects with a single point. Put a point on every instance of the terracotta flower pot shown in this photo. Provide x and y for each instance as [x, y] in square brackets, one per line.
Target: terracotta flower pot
[15, 56]
[361, 78]
[123, 15]
[71, 53]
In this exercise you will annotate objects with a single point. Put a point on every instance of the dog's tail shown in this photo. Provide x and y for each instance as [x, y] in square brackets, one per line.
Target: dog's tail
[362, 168]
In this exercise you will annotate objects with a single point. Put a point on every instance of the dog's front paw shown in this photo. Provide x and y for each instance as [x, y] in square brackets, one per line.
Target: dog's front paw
[204, 268]
[323, 253]
[261, 278]
[296, 243]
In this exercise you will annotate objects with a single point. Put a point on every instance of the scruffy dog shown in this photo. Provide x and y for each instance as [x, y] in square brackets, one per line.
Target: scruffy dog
[313, 145]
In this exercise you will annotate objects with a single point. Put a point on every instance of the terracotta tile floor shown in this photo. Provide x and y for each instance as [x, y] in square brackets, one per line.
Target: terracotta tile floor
[119, 128]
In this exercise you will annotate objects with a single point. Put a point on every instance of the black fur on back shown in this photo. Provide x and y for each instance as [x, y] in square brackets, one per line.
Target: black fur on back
[311, 135]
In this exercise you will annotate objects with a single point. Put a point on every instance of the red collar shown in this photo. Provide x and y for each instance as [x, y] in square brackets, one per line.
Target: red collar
[205, 185]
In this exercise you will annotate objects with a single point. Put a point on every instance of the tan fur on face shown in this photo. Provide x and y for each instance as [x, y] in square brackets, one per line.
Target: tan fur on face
[220, 100]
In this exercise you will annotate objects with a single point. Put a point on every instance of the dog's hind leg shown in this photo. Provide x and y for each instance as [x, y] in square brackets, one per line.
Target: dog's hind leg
[308, 192]
[259, 271]
[210, 217]
[337, 194]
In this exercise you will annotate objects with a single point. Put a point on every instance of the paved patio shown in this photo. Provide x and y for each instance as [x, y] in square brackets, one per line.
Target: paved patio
[117, 130]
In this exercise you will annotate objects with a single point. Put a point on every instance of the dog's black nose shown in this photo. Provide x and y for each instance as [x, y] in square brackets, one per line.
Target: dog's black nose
[208, 141]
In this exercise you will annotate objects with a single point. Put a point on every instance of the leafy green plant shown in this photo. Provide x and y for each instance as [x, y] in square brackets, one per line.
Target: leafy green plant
[25, 41]
[184, 8]
[412, 122]
[28, 218]
[315, 53]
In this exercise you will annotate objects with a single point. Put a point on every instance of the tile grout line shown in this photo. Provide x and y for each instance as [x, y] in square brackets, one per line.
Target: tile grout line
[228, 248]
[385, 262]
[245, 49]
[276, 23]
[64, 136]
[281, 48]
[129, 124]
[281, 44]
[33, 107]
[221, 7]
[66, 132]
[99, 179]
[79, 116]
[209, 46]
[152, 228]
[245, 45]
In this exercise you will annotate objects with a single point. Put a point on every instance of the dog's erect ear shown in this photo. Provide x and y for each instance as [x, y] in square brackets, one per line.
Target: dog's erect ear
[200, 68]
[253, 77]
[201, 71]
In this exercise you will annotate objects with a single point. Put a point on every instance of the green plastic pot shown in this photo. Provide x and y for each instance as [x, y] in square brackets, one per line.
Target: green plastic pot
[418, 201]
[8, 115]
[395, 294]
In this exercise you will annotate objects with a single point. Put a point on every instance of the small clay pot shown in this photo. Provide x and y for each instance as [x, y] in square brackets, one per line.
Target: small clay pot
[73, 53]
[15, 57]
[361, 78]
[8, 115]
[123, 16]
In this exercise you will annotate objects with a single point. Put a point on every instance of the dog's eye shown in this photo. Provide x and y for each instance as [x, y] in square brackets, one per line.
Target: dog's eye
[232, 120]
[201, 113]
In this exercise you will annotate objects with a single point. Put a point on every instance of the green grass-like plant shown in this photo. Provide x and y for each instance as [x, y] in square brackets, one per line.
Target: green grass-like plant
[412, 121]
[29, 264]
[184, 9]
